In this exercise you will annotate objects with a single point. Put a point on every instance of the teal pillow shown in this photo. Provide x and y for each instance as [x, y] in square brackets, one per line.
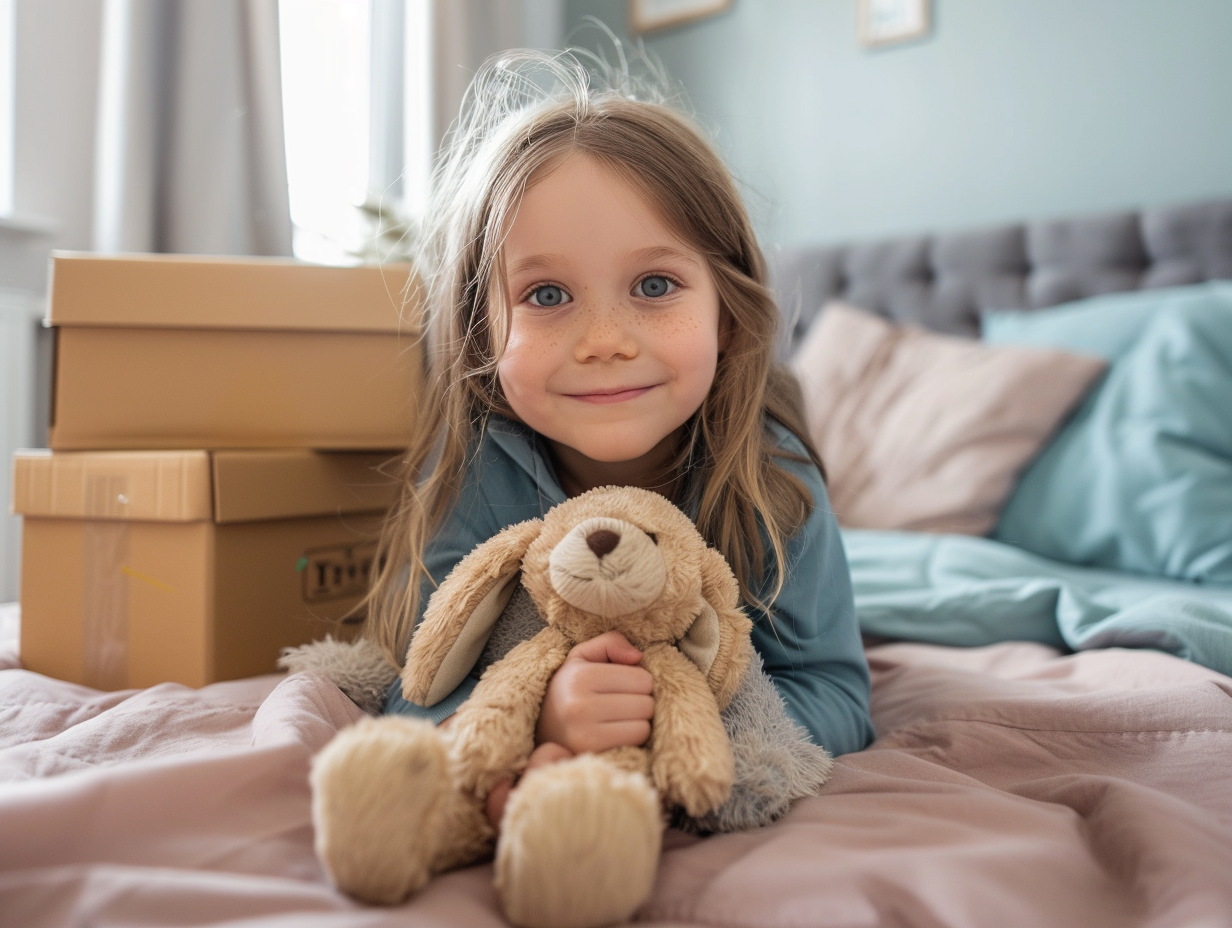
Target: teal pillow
[1104, 326]
[1140, 479]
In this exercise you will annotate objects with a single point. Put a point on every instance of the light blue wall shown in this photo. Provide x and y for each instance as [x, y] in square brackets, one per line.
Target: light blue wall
[1009, 109]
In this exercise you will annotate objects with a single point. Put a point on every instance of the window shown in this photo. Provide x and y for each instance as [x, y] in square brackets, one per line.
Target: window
[325, 95]
[354, 82]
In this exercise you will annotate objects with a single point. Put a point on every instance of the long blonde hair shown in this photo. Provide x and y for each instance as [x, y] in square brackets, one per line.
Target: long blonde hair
[525, 111]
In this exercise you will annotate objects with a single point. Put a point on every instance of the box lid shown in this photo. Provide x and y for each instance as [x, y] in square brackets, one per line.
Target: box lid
[188, 291]
[255, 485]
[198, 486]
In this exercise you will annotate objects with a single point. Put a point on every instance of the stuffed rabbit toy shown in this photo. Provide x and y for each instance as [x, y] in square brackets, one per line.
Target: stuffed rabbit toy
[397, 800]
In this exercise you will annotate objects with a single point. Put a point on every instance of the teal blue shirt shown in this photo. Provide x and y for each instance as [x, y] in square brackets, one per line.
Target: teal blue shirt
[809, 642]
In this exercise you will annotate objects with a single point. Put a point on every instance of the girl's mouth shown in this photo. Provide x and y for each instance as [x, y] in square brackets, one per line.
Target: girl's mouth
[615, 396]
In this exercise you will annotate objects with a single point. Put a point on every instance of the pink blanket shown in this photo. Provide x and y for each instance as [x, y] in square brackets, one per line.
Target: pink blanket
[1009, 786]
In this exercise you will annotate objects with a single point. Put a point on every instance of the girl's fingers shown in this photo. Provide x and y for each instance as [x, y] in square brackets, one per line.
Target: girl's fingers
[495, 805]
[610, 647]
[624, 707]
[610, 735]
[616, 678]
[547, 753]
[576, 700]
[604, 736]
[498, 798]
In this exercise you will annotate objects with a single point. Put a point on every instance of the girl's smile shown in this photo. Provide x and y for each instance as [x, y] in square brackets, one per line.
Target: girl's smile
[613, 325]
[618, 395]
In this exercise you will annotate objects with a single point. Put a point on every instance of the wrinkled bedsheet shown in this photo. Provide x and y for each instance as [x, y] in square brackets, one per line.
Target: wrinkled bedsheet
[966, 591]
[1009, 786]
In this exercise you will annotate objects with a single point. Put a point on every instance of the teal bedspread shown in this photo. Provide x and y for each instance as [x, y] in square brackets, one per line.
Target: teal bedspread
[966, 591]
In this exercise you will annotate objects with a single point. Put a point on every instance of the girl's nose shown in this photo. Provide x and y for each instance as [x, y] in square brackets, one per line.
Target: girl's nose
[606, 335]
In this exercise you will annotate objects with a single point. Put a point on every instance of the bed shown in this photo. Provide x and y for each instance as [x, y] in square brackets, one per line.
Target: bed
[1054, 733]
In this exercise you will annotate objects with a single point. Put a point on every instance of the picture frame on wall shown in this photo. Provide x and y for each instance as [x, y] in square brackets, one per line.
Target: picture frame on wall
[889, 22]
[653, 15]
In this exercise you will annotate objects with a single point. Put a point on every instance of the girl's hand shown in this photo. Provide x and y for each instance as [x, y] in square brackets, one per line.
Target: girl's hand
[599, 698]
[542, 756]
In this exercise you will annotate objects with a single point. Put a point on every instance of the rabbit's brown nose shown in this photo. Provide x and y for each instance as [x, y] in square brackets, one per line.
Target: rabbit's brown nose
[601, 541]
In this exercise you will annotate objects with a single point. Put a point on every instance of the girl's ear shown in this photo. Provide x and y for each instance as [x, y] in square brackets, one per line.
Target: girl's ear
[718, 640]
[461, 613]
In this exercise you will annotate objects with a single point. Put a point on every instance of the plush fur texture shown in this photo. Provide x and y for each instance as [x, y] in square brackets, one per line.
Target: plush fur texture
[775, 762]
[451, 607]
[404, 779]
[385, 815]
[691, 760]
[671, 586]
[520, 621]
[358, 668]
[586, 818]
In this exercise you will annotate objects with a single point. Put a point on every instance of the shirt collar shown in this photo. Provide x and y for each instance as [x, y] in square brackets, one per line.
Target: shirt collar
[525, 448]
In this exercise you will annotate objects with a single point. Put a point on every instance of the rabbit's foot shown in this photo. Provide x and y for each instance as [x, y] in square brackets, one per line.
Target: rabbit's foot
[579, 845]
[377, 795]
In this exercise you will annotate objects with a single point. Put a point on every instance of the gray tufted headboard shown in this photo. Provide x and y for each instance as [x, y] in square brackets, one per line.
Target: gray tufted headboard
[944, 281]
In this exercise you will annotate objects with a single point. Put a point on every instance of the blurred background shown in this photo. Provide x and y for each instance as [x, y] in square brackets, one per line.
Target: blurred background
[308, 127]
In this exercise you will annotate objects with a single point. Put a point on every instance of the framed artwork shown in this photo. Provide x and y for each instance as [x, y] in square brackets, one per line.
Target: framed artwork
[888, 22]
[651, 15]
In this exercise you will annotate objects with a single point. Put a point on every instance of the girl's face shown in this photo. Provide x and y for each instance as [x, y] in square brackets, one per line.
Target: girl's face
[614, 331]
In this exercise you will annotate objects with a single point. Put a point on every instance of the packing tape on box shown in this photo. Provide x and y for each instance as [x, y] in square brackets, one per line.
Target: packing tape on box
[104, 618]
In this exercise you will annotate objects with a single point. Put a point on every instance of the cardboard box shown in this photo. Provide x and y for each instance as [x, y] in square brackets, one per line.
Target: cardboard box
[172, 351]
[189, 566]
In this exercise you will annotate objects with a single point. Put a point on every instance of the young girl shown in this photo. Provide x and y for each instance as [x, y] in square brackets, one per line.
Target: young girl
[597, 314]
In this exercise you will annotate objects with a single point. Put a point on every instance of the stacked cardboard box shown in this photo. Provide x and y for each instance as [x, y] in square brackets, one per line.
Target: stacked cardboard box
[214, 484]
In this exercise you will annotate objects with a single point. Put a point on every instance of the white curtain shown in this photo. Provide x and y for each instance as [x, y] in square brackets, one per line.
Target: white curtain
[464, 33]
[191, 156]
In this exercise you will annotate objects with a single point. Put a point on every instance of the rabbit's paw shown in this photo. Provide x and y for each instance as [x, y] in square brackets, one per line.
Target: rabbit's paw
[579, 845]
[700, 789]
[377, 792]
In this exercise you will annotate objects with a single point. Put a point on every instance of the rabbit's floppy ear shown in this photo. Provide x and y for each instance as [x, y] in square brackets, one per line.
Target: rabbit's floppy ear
[700, 643]
[718, 640]
[461, 613]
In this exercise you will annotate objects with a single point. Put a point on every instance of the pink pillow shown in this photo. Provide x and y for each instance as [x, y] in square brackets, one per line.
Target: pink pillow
[928, 432]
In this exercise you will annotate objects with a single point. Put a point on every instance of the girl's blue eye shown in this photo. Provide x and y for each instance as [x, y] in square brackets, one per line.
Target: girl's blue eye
[655, 285]
[548, 295]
